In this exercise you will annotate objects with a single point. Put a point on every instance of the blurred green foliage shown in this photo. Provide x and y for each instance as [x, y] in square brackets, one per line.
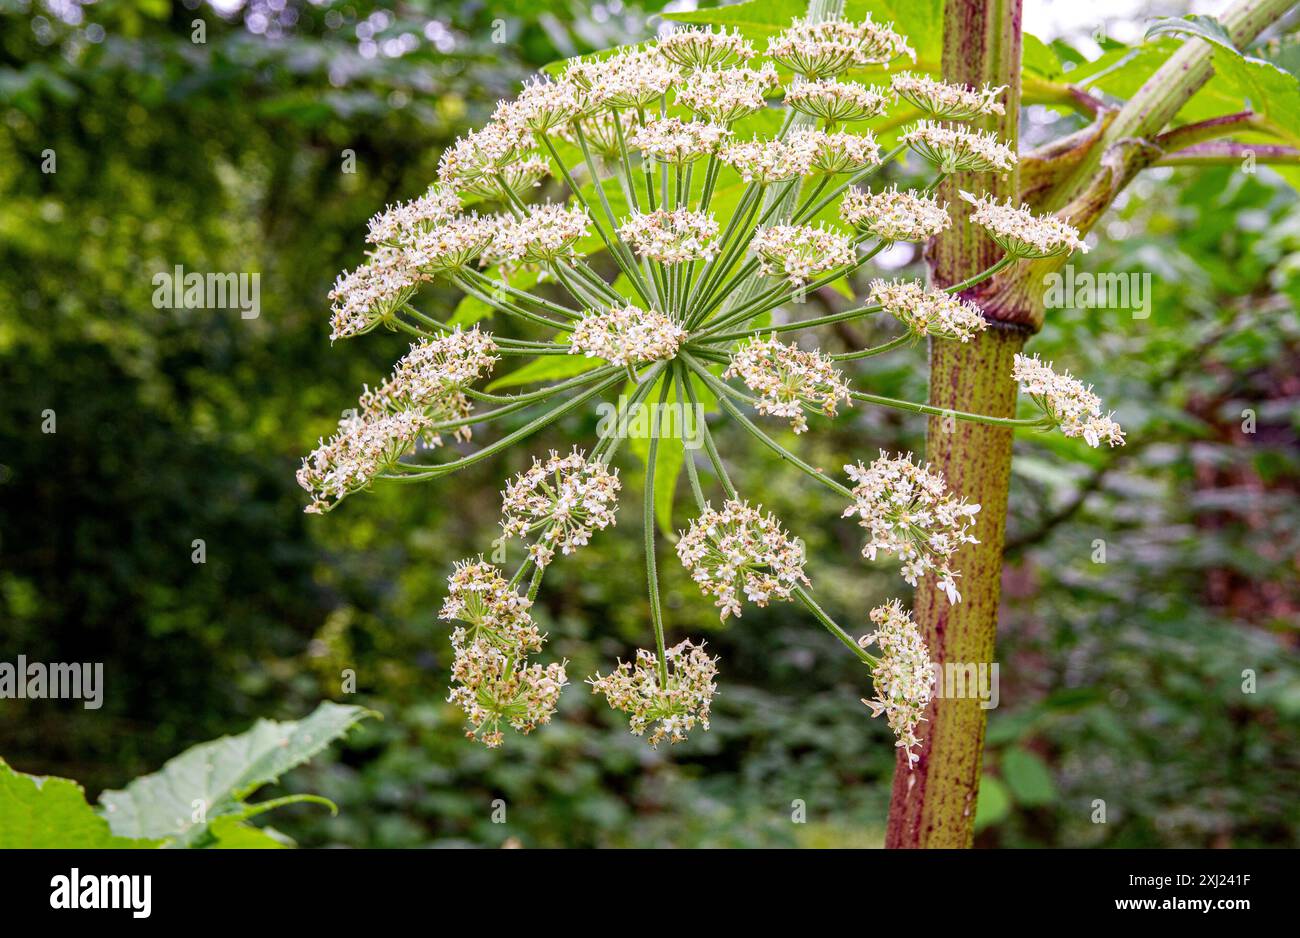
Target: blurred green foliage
[1121, 682]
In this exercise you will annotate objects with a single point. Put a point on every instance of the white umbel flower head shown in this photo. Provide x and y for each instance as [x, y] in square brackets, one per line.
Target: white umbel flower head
[725, 95]
[475, 159]
[1066, 402]
[493, 612]
[1020, 232]
[545, 233]
[542, 105]
[626, 336]
[495, 687]
[677, 142]
[398, 224]
[892, 215]
[904, 676]
[673, 706]
[788, 379]
[798, 253]
[626, 81]
[448, 247]
[695, 48]
[430, 378]
[958, 150]
[740, 553]
[824, 49]
[839, 152]
[372, 294]
[769, 161]
[671, 236]
[566, 498]
[944, 101]
[836, 102]
[929, 312]
[364, 446]
[907, 511]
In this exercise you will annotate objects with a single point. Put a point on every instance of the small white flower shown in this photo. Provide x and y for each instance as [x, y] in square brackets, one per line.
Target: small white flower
[399, 223]
[892, 215]
[945, 101]
[904, 678]
[1020, 232]
[494, 687]
[566, 498]
[364, 446]
[724, 95]
[547, 232]
[671, 236]
[479, 596]
[1066, 402]
[741, 552]
[929, 312]
[626, 336]
[672, 140]
[694, 48]
[788, 379]
[836, 101]
[769, 161]
[673, 706]
[908, 512]
[798, 253]
[826, 48]
[958, 150]
[372, 294]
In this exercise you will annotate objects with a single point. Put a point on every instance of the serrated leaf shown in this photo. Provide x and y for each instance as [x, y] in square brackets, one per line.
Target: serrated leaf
[217, 776]
[1028, 778]
[1200, 25]
[43, 812]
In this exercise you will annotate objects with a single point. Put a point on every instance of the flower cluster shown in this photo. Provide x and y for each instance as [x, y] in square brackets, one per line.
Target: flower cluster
[739, 551]
[799, 252]
[944, 101]
[672, 698]
[626, 336]
[671, 236]
[836, 101]
[673, 140]
[724, 96]
[363, 447]
[958, 150]
[907, 511]
[768, 161]
[904, 676]
[1066, 402]
[826, 48]
[566, 498]
[1020, 232]
[716, 232]
[544, 233]
[787, 379]
[892, 215]
[928, 312]
[493, 681]
[695, 48]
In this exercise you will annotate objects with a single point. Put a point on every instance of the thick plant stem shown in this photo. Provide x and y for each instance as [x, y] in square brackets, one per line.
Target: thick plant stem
[933, 802]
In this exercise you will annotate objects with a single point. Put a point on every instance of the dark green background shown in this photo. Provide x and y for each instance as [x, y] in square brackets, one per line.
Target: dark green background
[1120, 681]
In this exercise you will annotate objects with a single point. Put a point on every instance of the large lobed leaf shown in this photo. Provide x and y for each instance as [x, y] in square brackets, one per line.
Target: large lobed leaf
[217, 776]
[42, 812]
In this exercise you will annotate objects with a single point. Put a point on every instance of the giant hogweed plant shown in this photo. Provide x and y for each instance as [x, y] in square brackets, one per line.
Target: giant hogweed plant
[724, 184]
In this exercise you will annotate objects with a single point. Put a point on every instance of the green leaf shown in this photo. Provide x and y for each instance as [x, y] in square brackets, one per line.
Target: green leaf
[233, 834]
[1268, 90]
[1203, 26]
[41, 812]
[994, 802]
[1037, 56]
[1028, 778]
[546, 368]
[217, 776]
